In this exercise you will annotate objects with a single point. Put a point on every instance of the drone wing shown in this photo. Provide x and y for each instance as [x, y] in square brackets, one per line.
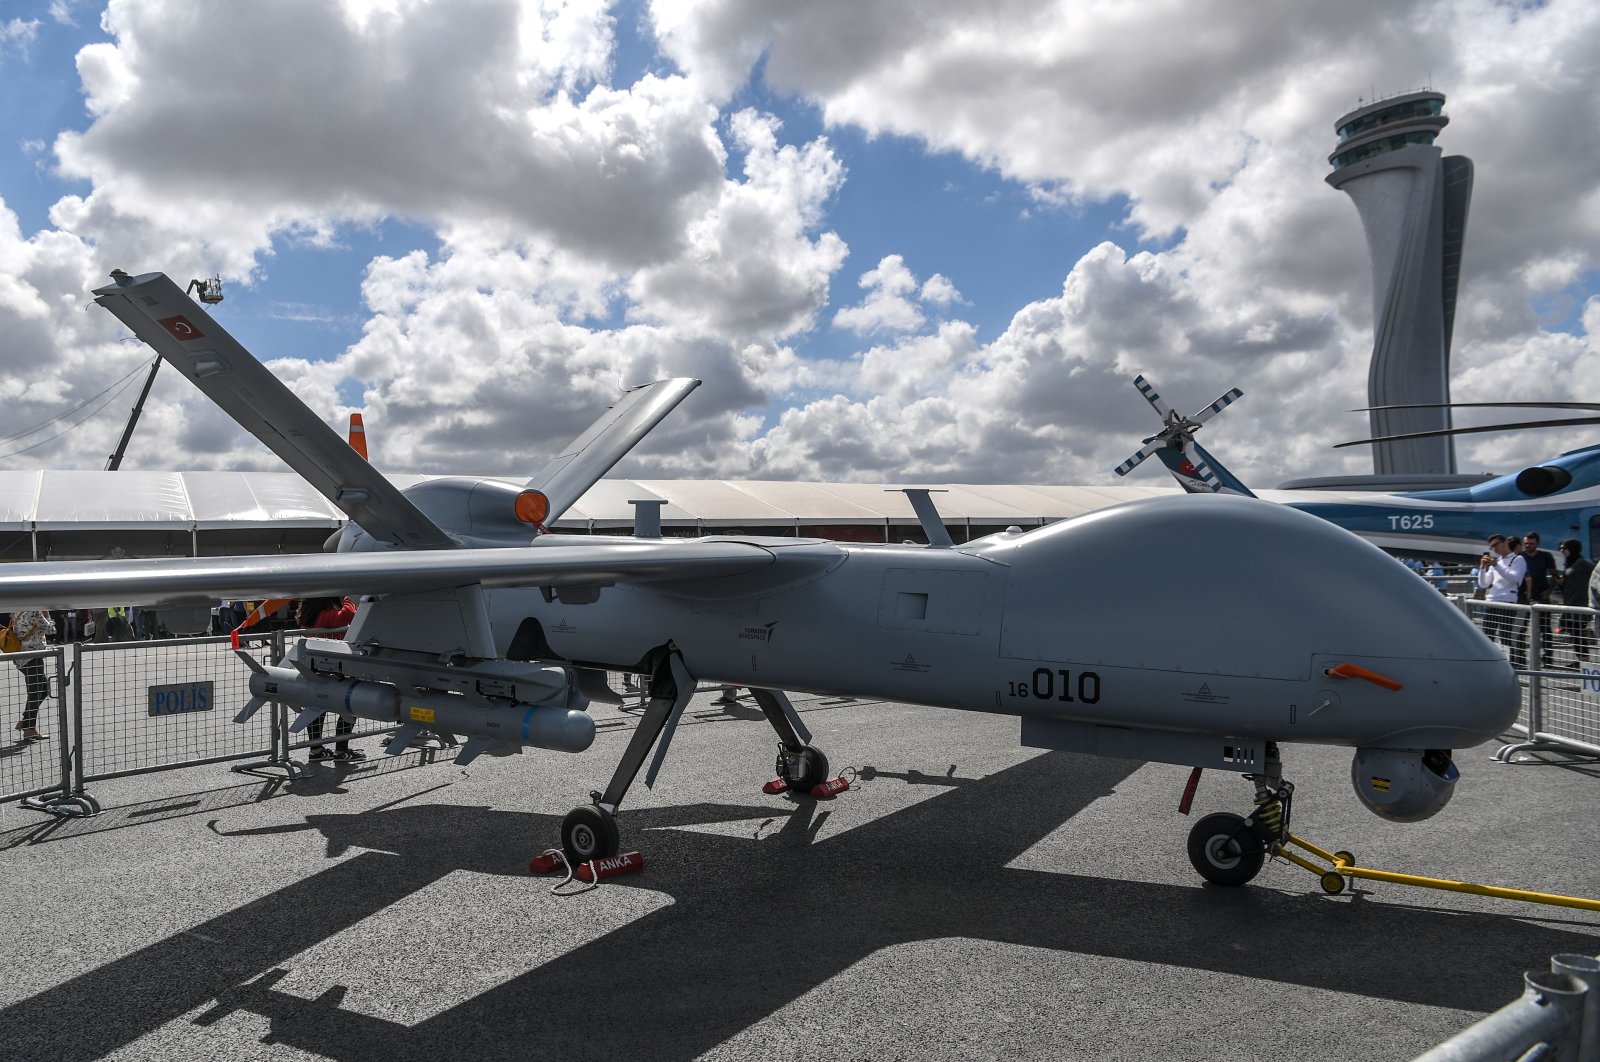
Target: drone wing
[551, 561]
[190, 340]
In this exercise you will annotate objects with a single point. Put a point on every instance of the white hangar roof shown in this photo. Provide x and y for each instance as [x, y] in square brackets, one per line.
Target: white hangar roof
[87, 513]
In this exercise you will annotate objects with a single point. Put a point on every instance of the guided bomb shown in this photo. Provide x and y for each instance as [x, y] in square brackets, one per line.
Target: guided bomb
[485, 722]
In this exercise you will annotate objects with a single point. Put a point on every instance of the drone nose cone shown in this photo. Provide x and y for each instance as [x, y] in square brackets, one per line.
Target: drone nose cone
[1494, 703]
[1452, 704]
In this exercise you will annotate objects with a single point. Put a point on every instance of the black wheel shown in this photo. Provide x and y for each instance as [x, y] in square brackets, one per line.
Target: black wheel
[589, 833]
[806, 768]
[1332, 883]
[1344, 857]
[1225, 850]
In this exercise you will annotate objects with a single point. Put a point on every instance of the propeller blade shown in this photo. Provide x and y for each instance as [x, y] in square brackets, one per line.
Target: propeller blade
[1150, 396]
[1133, 462]
[1218, 406]
[1570, 422]
[1202, 469]
[1484, 405]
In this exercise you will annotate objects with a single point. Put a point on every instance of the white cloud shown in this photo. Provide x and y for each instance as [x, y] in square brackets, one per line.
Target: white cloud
[597, 234]
[485, 112]
[1215, 124]
[886, 307]
[18, 34]
[938, 290]
[750, 268]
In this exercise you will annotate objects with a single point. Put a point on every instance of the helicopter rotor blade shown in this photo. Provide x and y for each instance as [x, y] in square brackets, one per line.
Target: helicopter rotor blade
[1563, 423]
[1150, 395]
[1483, 405]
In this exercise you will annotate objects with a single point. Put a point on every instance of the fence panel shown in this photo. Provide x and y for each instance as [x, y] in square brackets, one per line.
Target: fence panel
[150, 706]
[32, 768]
[1553, 649]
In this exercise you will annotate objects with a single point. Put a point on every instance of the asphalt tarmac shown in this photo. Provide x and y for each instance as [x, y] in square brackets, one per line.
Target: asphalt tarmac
[965, 899]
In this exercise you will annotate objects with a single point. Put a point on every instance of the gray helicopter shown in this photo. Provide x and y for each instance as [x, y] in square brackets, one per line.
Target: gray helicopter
[1202, 631]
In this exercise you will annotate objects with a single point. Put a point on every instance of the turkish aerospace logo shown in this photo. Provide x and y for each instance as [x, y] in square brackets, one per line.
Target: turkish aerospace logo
[758, 634]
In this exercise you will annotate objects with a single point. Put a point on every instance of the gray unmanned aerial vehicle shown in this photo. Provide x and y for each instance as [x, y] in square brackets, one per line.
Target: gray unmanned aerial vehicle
[1204, 631]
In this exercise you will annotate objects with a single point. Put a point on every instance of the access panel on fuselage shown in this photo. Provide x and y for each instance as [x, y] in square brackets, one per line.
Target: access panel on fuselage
[932, 600]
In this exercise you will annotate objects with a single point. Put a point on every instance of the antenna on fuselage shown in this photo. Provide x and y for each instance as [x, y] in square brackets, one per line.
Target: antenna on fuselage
[927, 513]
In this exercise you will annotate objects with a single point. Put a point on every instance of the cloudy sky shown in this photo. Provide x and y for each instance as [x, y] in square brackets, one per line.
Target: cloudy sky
[898, 239]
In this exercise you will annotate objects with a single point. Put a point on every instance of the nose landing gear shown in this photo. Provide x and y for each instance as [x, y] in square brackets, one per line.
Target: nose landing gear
[1228, 849]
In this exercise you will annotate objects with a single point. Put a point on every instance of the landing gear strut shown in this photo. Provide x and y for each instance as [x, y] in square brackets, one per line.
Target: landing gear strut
[800, 763]
[590, 831]
[1229, 850]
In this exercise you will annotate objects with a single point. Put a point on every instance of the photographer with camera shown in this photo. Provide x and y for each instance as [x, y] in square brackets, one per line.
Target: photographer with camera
[1501, 572]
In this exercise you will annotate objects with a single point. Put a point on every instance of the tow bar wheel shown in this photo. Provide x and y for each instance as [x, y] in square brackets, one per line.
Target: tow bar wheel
[1225, 850]
[589, 833]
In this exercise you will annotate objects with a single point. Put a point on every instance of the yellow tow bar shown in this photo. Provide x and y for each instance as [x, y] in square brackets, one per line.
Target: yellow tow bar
[1333, 880]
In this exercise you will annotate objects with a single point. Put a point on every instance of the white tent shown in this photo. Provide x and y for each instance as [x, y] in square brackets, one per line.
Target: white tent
[64, 514]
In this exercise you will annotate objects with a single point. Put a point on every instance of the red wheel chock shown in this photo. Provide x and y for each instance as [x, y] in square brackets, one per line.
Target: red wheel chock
[591, 870]
[821, 791]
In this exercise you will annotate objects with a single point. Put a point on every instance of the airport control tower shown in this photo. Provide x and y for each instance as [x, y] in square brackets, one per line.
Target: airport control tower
[1413, 205]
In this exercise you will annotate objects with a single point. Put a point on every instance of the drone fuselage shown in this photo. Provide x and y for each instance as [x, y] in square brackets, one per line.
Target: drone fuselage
[1224, 625]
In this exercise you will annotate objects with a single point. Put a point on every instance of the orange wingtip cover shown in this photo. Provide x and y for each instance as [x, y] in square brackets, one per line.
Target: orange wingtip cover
[1357, 671]
[532, 507]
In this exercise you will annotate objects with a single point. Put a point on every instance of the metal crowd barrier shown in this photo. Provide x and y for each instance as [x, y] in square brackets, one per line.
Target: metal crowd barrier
[1553, 650]
[37, 774]
[118, 709]
[1557, 1019]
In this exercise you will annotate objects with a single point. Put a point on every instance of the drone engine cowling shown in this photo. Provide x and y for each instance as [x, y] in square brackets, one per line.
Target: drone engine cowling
[1404, 785]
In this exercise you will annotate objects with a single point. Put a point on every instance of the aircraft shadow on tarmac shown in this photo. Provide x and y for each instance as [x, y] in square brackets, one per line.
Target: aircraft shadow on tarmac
[320, 779]
[756, 924]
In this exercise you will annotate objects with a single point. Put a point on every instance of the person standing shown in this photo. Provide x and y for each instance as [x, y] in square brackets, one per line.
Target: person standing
[1539, 582]
[326, 614]
[32, 627]
[1501, 574]
[1577, 626]
[118, 629]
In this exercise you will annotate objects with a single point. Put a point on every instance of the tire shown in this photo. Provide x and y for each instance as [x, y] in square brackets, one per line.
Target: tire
[589, 833]
[1225, 850]
[807, 768]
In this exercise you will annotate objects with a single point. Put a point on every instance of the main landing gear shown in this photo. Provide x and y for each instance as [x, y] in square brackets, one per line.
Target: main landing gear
[1228, 849]
[590, 832]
